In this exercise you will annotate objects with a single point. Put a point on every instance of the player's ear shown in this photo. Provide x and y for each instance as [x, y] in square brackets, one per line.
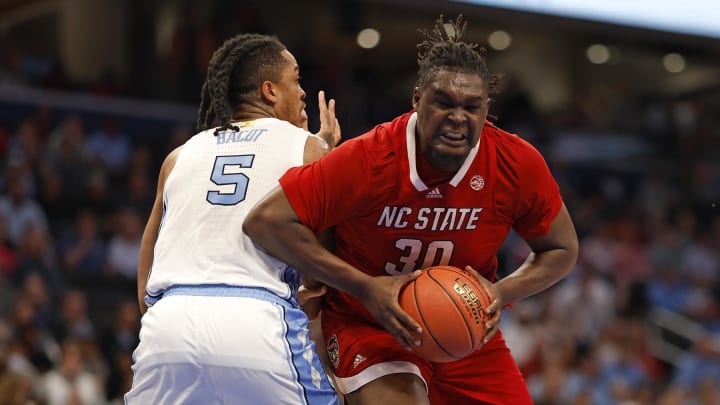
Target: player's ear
[415, 97]
[268, 91]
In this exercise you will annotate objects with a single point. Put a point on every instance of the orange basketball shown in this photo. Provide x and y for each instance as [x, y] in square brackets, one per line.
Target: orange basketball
[449, 305]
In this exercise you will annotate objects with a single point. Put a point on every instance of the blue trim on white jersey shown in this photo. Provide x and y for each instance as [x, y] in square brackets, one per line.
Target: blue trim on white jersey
[225, 290]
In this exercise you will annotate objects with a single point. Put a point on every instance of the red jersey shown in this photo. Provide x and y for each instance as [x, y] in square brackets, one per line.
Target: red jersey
[389, 222]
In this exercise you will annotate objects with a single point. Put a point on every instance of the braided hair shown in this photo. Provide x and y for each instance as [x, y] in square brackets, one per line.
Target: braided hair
[236, 71]
[443, 50]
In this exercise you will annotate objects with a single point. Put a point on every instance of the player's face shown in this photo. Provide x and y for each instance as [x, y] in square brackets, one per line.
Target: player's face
[290, 104]
[451, 112]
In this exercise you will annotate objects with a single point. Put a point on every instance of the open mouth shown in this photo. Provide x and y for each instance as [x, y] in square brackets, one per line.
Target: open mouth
[453, 138]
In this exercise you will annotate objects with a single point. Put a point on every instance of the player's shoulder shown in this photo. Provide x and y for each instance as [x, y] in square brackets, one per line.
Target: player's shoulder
[388, 135]
[274, 125]
[381, 145]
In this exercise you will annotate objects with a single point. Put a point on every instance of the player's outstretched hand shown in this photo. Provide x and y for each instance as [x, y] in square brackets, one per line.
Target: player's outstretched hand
[329, 125]
[493, 311]
[381, 298]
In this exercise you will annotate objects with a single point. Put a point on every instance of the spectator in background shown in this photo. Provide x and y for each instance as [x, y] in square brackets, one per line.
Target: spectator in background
[73, 320]
[8, 255]
[36, 256]
[35, 288]
[82, 250]
[697, 376]
[69, 382]
[122, 334]
[139, 193]
[67, 164]
[117, 342]
[111, 148]
[98, 198]
[19, 209]
[584, 303]
[15, 387]
[124, 247]
[33, 347]
[27, 148]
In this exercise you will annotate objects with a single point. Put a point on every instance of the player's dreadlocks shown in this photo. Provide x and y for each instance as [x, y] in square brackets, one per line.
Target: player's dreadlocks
[444, 50]
[234, 75]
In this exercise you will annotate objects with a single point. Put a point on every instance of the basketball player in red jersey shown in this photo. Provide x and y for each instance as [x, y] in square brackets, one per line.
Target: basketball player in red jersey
[439, 185]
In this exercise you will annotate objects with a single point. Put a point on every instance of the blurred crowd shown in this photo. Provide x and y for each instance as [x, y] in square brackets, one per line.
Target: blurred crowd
[636, 322]
[72, 209]
[638, 319]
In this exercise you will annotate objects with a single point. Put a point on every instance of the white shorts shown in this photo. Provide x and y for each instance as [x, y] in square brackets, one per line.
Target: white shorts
[226, 345]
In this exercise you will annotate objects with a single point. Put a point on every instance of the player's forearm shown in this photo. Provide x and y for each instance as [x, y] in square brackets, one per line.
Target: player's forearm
[147, 247]
[538, 272]
[274, 226]
[297, 246]
[144, 264]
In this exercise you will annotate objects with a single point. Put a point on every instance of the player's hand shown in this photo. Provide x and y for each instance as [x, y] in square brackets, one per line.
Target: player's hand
[492, 311]
[310, 299]
[329, 125]
[381, 298]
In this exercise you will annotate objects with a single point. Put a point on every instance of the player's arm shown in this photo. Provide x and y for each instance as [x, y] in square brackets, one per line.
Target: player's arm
[147, 245]
[311, 291]
[553, 256]
[274, 225]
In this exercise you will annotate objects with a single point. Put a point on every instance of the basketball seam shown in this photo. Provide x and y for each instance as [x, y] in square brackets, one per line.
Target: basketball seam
[428, 330]
[460, 311]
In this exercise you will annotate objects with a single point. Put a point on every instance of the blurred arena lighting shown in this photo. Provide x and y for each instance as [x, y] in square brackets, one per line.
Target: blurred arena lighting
[499, 40]
[615, 55]
[674, 62]
[598, 54]
[368, 38]
[694, 17]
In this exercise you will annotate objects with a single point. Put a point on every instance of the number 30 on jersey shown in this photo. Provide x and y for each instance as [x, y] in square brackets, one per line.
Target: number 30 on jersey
[436, 253]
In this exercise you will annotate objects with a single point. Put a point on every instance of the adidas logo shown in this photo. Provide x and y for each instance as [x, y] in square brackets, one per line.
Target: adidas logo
[358, 359]
[434, 193]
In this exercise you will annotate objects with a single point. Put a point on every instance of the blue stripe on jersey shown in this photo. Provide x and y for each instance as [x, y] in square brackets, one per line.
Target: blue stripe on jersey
[314, 387]
[225, 290]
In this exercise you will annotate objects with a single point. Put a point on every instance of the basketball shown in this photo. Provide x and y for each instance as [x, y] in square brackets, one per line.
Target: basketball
[449, 305]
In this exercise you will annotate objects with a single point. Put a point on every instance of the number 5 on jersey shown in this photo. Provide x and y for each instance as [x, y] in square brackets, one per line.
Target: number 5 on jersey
[222, 175]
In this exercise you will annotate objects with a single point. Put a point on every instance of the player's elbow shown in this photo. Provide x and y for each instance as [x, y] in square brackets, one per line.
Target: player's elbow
[573, 250]
[255, 222]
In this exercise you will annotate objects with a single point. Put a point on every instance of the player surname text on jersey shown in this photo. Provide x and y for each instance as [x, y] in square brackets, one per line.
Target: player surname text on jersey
[244, 135]
[431, 219]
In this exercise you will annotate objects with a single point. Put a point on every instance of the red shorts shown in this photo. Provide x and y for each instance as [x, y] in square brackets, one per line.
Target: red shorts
[361, 351]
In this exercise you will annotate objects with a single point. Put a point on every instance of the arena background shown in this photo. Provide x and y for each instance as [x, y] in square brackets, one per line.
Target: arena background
[93, 93]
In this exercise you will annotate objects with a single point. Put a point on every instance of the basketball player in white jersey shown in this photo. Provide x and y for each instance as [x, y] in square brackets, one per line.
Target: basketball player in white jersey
[222, 322]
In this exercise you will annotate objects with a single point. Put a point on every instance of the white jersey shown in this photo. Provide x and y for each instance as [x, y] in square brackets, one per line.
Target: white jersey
[216, 180]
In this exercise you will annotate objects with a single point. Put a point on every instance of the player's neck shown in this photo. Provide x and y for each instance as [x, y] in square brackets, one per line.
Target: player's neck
[251, 111]
[430, 175]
